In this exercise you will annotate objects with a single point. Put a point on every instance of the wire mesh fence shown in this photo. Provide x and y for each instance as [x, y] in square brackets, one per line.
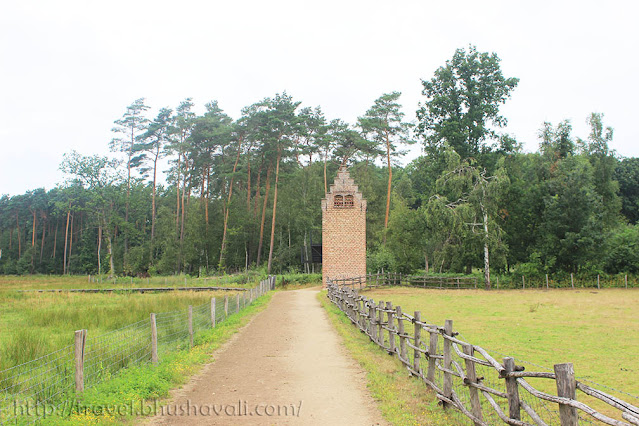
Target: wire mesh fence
[38, 388]
[471, 384]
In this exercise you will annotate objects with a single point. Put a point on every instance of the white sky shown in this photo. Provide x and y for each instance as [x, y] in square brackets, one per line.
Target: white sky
[68, 69]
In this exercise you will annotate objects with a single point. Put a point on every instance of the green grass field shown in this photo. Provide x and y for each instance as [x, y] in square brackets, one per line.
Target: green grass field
[33, 324]
[51, 282]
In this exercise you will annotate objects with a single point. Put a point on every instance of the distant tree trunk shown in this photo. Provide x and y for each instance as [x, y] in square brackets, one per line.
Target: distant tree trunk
[390, 177]
[277, 176]
[486, 259]
[18, 235]
[228, 202]
[55, 239]
[99, 249]
[66, 241]
[268, 187]
[70, 245]
[325, 160]
[110, 249]
[258, 188]
[44, 230]
[177, 209]
[155, 168]
[33, 232]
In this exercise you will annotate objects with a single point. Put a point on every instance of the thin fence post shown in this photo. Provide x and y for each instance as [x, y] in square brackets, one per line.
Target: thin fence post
[154, 340]
[625, 280]
[237, 303]
[512, 390]
[598, 287]
[448, 360]
[402, 334]
[380, 324]
[372, 318]
[572, 281]
[471, 374]
[432, 351]
[391, 328]
[497, 282]
[523, 283]
[191, 325]
[80, 342]
[567, 388]
[213, 312]
[546, 281]
[418, 334]
[226, 306]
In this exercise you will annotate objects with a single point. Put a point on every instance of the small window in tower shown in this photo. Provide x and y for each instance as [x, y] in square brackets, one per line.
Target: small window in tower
[339, 202]
[348, 201]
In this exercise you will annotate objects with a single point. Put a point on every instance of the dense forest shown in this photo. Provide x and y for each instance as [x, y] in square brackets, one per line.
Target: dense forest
[246, 193]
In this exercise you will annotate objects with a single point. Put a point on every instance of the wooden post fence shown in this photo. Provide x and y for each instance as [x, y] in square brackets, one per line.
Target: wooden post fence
[448, 361]
[213, 312]
[417, 334]
[512, 390]
[191, 325]
[237, 303]
[567, 388]
[154, 340]
[226, 306]
[80, 342]
[471, 375]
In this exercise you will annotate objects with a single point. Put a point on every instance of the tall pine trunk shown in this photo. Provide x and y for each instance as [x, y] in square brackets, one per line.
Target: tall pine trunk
[277, 176]
[228, 202]
[260, 244]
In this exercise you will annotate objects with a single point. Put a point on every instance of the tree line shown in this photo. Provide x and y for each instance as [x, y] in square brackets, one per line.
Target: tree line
[242, 193]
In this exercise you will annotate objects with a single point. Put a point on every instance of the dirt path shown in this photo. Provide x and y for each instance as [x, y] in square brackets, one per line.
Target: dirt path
[287, 367]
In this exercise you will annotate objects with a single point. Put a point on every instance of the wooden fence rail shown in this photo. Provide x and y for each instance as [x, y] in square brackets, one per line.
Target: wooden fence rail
[466, 378]
[396, 279]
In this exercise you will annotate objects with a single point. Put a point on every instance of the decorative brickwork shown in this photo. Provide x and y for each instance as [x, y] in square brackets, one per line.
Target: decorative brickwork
[343, 230]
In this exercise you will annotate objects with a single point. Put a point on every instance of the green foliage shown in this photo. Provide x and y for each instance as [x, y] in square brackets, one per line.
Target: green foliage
[462, 103]
[474, 200]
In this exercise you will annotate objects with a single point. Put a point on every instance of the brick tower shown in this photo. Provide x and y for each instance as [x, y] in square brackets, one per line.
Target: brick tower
[343, 230]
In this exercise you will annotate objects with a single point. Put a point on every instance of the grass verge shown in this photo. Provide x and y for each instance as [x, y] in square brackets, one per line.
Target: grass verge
[139, 391]
[402, 400]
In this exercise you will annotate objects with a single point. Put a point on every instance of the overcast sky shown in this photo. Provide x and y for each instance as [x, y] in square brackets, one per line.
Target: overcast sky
[68, 69]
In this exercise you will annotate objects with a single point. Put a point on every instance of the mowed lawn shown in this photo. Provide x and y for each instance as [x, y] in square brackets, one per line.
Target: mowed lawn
[33, 324]
[596, 330]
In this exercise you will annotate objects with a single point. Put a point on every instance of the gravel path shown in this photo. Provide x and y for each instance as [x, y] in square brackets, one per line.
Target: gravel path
[287, 367]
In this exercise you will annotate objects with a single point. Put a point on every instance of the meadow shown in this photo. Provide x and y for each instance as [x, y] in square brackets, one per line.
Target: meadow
[35, 323]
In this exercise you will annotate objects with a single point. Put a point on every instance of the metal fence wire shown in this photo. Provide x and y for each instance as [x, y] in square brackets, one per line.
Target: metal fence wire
[38, 388]
[470, 383]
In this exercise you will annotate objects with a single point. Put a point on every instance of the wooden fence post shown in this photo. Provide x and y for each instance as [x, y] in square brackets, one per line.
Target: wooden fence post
[403, 354]
[448, 360]
[372, 318]
[213, 312]
[572, 281]
[80, 342]
[625, 280]
[512, 390]
[418, 334]
[154, 340]
[471, 374]
[546, 281]
[391, 328]
[523, 283]
[191, 325]
[226, 306]
[432, 351]
[567, 388]
[598, 287]
[380, 324]
[237, 303]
